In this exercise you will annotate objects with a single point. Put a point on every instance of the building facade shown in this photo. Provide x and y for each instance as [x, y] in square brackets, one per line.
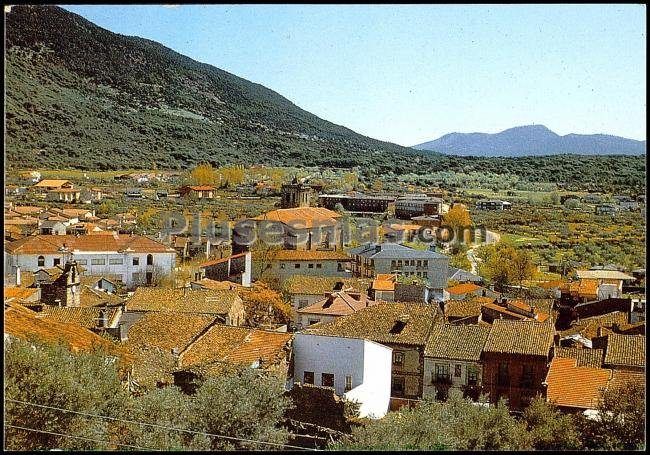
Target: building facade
[358, 369]
[135, 259]
[372, 259]
[409, 206]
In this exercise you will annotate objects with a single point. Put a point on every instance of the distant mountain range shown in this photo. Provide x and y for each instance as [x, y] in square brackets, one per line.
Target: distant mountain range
[532, 140]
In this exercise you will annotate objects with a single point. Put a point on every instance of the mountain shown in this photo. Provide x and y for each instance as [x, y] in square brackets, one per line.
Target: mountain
[79, 95]
[532, 140]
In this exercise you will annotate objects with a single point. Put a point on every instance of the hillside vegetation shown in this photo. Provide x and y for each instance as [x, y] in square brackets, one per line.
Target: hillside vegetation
[82, 97]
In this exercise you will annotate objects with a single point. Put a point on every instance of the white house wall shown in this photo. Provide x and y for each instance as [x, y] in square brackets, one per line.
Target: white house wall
[368, 363]
[162, 263]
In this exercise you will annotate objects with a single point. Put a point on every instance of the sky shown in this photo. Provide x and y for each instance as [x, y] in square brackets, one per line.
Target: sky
[412, 73]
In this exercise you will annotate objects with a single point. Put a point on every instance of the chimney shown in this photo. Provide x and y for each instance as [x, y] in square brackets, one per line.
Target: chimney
[18, 280]
[102, 320]
[207, 249]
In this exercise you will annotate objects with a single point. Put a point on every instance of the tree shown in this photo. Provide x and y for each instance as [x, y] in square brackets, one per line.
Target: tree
[264, 305]
[549, 428]
[244, 403]
[522, 266]
[504, 264]
[456, 424]
[457, 217]
[620, 422]
[107, 208]
[239, 403]
[203, 174]
[377, 185]
[53, 376]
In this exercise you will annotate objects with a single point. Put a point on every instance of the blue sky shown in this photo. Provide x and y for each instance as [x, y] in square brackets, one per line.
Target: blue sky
[411, 73]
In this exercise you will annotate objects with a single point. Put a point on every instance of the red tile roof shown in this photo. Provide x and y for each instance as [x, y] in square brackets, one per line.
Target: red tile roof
[237, 345]
[41, 244]
[573, 386]
[463, 288]
[303, 217]
[338, 303]
[24, 323]
[520, 337]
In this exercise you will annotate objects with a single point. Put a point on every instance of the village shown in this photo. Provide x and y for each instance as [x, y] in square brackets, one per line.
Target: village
[353, 298]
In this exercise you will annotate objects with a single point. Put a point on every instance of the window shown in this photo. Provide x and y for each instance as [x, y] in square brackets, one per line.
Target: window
[503, 377]
[311, 266]
[419, 263]
[339, 267]
[472, 375]
[399, 264]
[442, 372]
[98, 262]
[327, 380]
[41, 261]
[425, 263]
[425, 275]
[319, 266]
[348, 383]
[297, 266]
[82, 261]
[149, 259]
[136, 261]
[527, 376]
[393, 264]
[119, 261]
[308, 377]
[398, 358]
[313, 321]
[282, 265]
[457, 371]
[56, 261]
[303, 303]
[397, 386]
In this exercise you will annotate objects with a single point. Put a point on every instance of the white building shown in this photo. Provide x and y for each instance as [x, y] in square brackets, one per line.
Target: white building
[136, 259]
[357, 369]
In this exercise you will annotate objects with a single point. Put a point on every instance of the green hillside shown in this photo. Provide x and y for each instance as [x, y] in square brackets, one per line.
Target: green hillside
[79, 96]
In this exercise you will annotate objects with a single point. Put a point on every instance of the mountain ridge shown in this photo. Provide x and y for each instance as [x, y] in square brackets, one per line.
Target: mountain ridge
[532, 140]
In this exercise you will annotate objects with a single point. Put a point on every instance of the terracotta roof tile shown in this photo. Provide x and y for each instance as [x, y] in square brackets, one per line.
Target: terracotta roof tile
[520, 337]
[402, 323]
[51, 183]
[585, 357]
[236, 345]
[207, 283]
[384, 282]
[19, 293]
[458, 309]
[41, 244]
[573, 386]
[625, 350]
[84, 316]
[89, 297]
[182, 300]
[305, 217]
[589, 327]
[603, 274]
[163, 332]
[463, 288]
[338, 304]
[24, 323]
[457, 342]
